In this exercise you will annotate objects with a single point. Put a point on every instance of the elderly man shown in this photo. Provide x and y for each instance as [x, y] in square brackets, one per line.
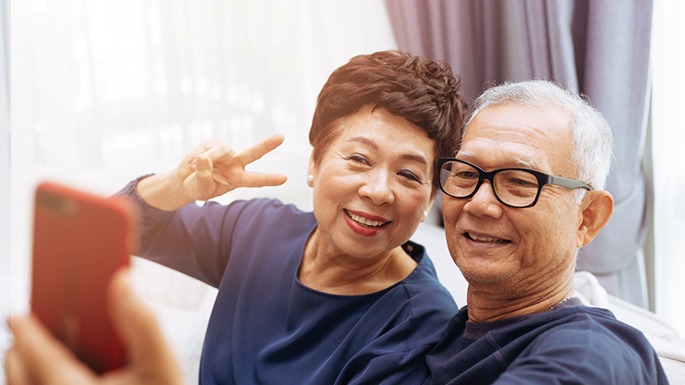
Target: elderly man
[522, 195]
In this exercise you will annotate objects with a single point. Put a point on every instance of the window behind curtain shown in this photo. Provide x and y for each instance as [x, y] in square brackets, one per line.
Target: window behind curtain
[4, 141]
[107, 90]
[668, 142]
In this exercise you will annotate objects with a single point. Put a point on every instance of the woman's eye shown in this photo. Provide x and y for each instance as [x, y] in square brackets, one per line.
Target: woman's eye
[358, 158]
[410, 175]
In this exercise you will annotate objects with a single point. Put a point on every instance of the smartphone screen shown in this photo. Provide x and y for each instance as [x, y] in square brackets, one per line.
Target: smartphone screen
[79, 241]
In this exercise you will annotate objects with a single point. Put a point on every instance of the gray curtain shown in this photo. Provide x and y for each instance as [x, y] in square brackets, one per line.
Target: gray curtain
[4, 140]
[599, 48]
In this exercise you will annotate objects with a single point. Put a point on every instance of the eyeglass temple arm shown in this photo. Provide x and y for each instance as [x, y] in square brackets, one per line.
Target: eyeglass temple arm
[568, 183]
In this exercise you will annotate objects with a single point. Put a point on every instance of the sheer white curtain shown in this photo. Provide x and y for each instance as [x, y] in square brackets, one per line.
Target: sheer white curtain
[106, 90]
[668, 146]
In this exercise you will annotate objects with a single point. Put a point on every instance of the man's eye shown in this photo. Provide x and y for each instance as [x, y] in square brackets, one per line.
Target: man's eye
[522, 183]
[466, 175]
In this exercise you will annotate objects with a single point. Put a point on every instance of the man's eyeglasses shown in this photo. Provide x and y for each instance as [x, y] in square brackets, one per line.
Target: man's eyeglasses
[514, 187]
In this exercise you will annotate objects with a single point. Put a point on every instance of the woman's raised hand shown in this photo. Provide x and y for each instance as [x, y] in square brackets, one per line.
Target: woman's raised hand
[213, 168]
[210, 170]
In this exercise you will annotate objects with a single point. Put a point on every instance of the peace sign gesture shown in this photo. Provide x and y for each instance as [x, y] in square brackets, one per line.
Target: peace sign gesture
[208, 171]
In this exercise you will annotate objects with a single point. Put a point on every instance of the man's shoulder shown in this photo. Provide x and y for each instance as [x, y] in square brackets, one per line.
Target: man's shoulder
[590, 333]
[583, 322]
[589, 339]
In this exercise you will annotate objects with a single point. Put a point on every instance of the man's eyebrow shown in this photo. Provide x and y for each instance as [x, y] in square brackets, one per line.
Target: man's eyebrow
[523, 163]
[413, 157]
[514, 161]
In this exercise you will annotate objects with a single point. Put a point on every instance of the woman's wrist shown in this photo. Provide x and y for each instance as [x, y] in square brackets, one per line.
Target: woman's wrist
[163, 191]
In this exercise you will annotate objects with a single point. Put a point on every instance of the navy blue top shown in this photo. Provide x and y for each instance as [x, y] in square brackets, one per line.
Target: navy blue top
[268, 328]
[570, 344]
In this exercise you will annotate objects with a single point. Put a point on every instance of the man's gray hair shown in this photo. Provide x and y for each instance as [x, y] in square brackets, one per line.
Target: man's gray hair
[592, 138]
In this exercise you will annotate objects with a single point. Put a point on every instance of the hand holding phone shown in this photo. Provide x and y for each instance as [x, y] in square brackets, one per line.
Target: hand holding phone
[79, 241]
[39, 358]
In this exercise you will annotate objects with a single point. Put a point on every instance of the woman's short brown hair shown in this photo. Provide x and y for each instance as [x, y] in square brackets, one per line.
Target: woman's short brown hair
[421, 90]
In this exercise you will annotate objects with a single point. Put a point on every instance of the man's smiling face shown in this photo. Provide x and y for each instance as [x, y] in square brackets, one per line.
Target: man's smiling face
[515, 248]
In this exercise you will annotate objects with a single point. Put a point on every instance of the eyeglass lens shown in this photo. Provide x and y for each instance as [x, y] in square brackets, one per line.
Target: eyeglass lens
[516, 188]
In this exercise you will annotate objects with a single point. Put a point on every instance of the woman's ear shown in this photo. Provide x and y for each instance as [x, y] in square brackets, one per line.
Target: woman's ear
[427, 211]
[596, 209]
[311, 171]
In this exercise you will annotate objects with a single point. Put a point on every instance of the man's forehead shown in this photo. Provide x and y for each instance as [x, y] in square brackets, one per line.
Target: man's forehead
[511, 160]
[522, 135]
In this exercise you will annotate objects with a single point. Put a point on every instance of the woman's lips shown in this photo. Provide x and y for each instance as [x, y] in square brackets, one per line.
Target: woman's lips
[365, 225]
[366, 220]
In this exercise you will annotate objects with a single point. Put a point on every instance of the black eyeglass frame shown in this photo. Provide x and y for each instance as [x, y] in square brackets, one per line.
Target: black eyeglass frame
[542, 178]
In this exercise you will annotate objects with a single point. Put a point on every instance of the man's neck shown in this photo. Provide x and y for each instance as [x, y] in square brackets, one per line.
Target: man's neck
[487, 303]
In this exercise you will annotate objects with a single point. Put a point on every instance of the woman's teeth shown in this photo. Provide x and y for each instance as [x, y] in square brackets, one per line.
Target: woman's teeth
[364, 221]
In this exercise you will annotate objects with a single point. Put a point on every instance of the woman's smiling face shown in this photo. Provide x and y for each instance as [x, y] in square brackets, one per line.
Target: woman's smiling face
[372, 184]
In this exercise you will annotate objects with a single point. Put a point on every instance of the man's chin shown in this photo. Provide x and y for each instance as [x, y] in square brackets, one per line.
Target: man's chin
[483, 275]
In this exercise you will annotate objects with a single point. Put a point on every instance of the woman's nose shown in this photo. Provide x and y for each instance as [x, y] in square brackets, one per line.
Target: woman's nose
[377, 187]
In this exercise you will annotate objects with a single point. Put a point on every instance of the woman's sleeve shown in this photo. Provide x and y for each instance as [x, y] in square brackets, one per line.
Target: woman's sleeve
[194, 239]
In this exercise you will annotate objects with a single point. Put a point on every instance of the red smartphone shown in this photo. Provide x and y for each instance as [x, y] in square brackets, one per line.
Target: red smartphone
[79, 241]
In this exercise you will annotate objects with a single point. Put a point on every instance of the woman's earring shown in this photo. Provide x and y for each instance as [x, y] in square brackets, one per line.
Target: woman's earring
[310, 180]
[425, 215]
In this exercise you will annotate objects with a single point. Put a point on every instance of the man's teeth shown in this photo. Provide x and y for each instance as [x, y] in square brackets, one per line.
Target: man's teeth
[364, 221]
[485, 239]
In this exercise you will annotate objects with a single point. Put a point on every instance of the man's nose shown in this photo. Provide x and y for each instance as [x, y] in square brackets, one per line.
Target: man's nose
[484, 201]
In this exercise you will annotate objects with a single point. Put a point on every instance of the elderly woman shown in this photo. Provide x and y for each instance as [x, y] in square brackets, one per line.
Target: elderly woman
[334, 296]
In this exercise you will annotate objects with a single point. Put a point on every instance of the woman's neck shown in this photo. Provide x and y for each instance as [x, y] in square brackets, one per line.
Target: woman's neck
[341, 274]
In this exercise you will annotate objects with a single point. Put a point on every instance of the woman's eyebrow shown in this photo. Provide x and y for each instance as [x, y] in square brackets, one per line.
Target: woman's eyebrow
[364, 140]
[413, 157]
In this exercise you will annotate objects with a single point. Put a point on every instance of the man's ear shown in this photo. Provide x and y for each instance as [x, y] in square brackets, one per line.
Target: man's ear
[597, 207]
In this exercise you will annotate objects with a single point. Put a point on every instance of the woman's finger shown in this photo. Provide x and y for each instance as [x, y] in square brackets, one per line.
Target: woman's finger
[205, 177]
[260, 149]
[217, 151]
[255, 179]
